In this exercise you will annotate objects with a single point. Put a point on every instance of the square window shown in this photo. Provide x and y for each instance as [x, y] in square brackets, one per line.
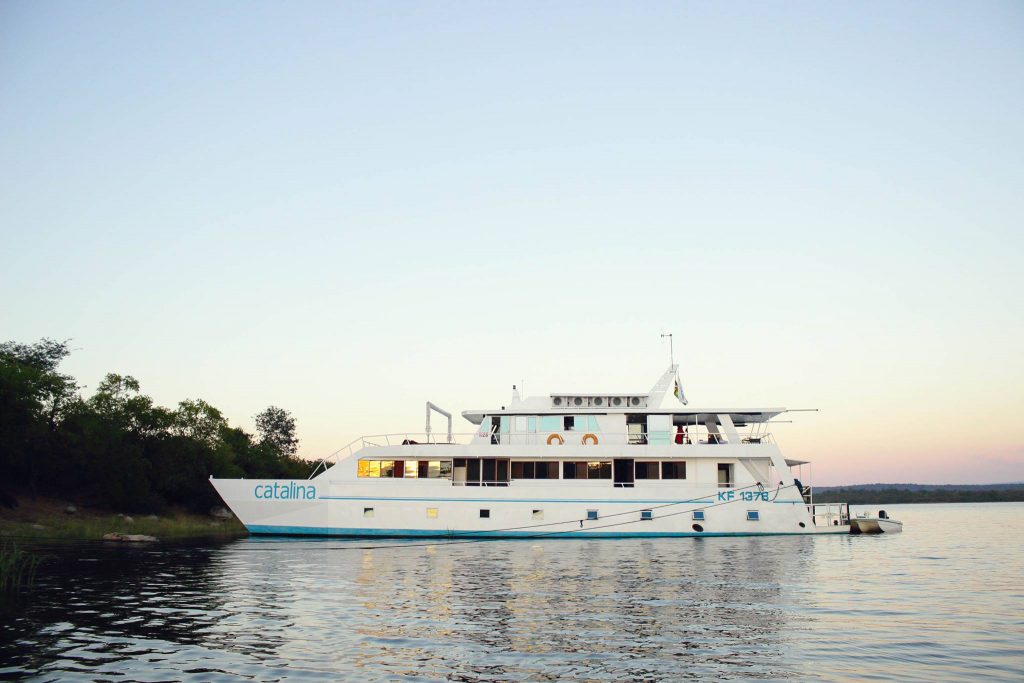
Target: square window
[367, 512]
[431, 513]
[591, 514]
[646, 515]
[485, 514]
[698, 515]
[538, 514]
[753, 516]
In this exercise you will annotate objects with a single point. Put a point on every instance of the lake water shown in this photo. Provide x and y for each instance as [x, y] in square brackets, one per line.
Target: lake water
[942, 601]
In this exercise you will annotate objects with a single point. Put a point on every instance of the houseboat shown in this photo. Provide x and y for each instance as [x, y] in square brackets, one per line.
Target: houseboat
[566, 465]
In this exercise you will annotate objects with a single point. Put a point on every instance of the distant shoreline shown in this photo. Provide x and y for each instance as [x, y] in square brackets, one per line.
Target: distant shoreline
[886, 494]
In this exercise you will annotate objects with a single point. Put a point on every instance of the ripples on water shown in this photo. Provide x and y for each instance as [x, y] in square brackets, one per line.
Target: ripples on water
[944, 600]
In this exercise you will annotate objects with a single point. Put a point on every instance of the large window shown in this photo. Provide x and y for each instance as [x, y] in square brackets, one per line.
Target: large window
[409, 469]
[535, 470]
[587, 470]
[648, 470]
[673, 470]
[551, 423]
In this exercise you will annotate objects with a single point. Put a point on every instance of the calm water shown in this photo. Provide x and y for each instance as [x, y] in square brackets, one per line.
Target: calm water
[942, 601]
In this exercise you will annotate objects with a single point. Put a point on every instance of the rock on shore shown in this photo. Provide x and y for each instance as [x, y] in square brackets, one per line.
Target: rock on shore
[130, 538]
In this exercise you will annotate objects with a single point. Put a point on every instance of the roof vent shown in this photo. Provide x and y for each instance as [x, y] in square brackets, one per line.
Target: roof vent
[577, 401]
[635, 400]
[598, 401]
[557, 401]
[616, 401]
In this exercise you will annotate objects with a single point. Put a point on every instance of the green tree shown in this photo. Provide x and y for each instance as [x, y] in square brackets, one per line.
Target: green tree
[276, 428]
[34, 398]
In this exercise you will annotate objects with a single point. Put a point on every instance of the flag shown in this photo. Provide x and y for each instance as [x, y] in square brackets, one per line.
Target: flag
[679, 391]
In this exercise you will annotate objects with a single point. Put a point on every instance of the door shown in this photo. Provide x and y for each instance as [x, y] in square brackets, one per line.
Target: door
[623, 472]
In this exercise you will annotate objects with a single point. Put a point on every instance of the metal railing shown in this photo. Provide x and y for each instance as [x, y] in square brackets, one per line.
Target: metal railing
[570, 437]
[829, 514]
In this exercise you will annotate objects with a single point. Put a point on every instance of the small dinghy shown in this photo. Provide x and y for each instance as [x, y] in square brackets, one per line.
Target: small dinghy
[865, 524]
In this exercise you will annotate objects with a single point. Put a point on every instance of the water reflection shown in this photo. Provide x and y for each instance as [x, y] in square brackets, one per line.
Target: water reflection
[658, 609]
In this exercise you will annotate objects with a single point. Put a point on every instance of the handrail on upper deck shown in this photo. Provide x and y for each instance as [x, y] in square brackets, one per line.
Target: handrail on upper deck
[532, 439]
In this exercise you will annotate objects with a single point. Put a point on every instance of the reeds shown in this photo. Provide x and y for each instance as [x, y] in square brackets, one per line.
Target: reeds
[17, 568]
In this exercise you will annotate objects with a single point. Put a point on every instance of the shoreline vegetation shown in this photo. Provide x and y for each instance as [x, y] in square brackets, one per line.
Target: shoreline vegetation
[50, 520]
[116, 451]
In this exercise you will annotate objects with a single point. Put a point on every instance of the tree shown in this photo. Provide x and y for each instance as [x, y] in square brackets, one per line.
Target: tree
[276, 428]
[34, 398]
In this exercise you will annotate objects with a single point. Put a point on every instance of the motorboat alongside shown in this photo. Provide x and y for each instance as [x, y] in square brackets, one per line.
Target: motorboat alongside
[880, 524]
[568, 464]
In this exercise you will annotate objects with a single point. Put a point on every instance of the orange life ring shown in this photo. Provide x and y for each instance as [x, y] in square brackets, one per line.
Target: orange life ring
[589, 436]
[556, 437]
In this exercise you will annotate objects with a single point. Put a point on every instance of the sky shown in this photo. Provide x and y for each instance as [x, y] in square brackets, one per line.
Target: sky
[348, 209]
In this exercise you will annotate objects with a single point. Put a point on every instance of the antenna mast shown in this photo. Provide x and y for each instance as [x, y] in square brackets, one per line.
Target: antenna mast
[671, 350]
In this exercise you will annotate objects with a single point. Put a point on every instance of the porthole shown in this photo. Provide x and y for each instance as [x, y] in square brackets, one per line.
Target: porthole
[698, 528]
[802, 525]
[558, 401]
[578, 401]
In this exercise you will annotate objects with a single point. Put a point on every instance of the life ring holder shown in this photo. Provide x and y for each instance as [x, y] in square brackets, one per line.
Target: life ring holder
[556, 437]
[589, 436]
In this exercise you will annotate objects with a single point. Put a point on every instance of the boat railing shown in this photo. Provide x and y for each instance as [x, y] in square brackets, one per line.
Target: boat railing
[829, 514]
[397, 439]
[554, 439]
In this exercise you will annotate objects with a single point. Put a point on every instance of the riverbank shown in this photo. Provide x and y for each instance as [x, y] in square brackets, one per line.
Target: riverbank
[46, 519]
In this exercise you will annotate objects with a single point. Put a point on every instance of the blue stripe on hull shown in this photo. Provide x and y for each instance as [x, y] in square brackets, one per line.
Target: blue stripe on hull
[625, 501]
[265, 530]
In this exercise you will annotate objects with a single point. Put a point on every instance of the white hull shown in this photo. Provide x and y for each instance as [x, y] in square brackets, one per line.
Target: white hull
[521, 510]
[871, 525]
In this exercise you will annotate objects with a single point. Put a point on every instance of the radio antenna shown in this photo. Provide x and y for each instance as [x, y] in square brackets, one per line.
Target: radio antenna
[671, 350]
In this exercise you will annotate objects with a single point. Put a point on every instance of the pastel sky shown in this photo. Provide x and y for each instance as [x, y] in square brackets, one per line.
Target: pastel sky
[347, 209]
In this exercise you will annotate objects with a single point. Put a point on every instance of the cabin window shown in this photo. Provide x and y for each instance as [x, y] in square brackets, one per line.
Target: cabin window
[547, 470]
[724, 475]
[504, 422]
[407, 469]
[591, 515]
[431, 513]
[485, 514]
[673, 470]
[648, 470]
[367, 512]
[522, 470]
[587, 470]
[567, 423]
[646, 515]
[550, 423]
[753, 516]
[538, 514]
[698, 515]
[583, 423]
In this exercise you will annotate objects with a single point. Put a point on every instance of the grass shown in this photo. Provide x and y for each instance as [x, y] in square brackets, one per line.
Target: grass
[17, 568]
[46, 519]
